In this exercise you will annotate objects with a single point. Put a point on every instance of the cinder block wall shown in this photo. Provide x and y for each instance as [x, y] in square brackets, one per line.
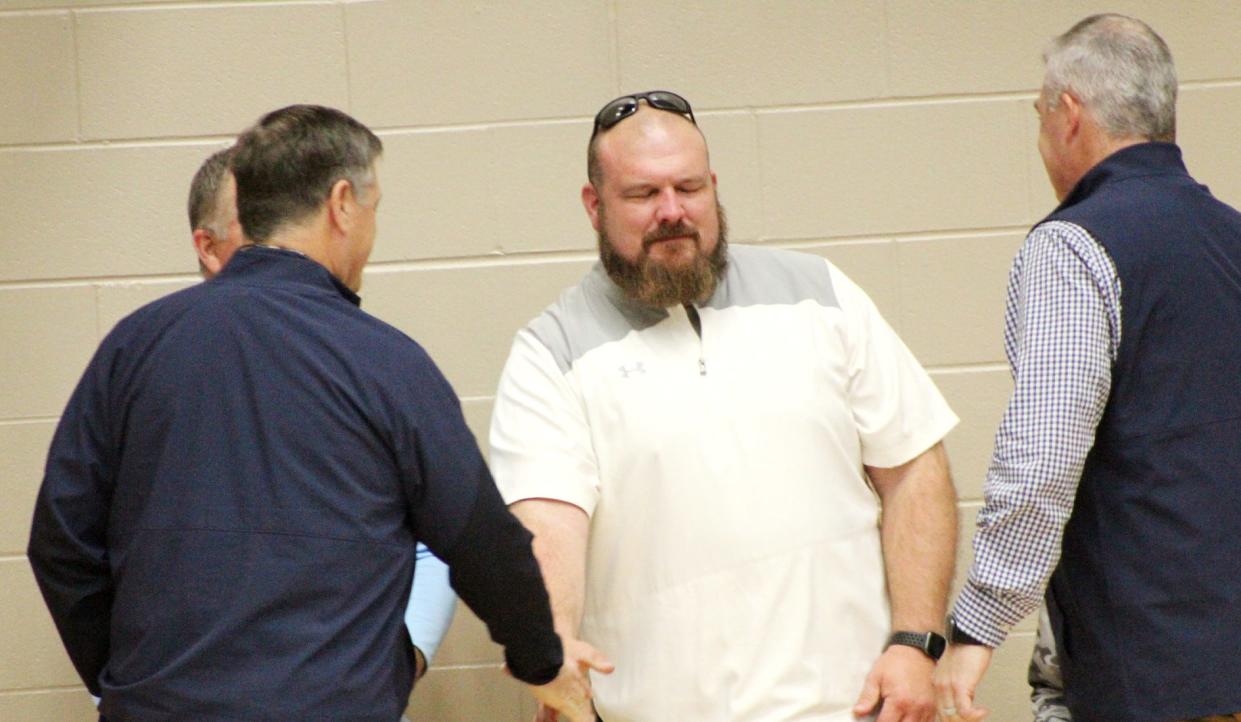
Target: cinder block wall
[895, 137]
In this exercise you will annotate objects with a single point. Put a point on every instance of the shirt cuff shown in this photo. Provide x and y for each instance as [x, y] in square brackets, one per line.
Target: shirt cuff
[980, 616]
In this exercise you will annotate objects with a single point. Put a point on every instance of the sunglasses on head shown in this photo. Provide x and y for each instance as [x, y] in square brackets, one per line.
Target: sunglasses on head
[626, 105]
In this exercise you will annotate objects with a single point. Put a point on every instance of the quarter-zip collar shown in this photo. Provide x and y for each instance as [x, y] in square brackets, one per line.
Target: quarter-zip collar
[258, 263]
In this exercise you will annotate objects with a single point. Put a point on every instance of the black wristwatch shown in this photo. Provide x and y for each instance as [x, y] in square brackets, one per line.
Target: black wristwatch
[956, 635]
[931, 644]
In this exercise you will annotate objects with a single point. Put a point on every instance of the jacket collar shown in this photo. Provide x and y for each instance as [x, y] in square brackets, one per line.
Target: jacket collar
[260, 262]
[1129, 162]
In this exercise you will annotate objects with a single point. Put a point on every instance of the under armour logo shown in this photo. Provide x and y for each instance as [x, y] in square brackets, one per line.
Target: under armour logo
[634, 369]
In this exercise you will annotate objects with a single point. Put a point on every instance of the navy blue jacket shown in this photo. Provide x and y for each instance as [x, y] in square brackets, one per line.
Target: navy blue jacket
[227, 522]
[1149, 584]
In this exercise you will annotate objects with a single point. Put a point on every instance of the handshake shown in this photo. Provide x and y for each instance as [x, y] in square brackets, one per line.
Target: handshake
[567, 697]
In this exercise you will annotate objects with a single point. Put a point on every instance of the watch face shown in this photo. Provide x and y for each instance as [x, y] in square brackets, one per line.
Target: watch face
[935, 645]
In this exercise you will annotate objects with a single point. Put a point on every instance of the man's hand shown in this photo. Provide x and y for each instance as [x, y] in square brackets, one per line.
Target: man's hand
[899, 686]
[956, 680]
[420, 664]
[567, 697]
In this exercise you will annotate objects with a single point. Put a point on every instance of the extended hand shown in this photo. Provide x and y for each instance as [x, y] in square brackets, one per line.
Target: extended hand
[956, 680]
[567, 697]
[900, 681]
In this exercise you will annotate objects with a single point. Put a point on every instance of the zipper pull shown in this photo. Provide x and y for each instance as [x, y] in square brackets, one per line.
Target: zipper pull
[702, 367]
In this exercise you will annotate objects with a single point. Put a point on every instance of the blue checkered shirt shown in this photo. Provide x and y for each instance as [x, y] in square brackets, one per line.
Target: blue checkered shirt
[1061, 334]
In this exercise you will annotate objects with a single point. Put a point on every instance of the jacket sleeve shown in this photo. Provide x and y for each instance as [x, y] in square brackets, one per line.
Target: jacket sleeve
[458, 513]
[68, 536]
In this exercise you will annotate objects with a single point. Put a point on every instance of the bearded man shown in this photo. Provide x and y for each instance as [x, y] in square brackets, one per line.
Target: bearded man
[702, 438]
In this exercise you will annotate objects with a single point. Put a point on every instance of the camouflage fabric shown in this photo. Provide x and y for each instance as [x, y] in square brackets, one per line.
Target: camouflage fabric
[1046, 684]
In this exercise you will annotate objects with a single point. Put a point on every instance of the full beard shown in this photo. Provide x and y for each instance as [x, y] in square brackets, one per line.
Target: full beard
[655, 284]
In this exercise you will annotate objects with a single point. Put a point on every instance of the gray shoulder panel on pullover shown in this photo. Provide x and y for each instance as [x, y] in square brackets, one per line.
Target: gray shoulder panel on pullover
[596, 312]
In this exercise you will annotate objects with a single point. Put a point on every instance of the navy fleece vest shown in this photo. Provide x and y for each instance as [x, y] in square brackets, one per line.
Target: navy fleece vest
[1149, 585]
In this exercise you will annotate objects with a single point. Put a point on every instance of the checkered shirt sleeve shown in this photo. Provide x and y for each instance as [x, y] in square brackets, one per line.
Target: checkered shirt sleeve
[1061, 333]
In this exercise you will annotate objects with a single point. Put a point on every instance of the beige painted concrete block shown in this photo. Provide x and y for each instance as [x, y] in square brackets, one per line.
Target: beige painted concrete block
[966, 519]
[466, 317]
[871, 265]
[49, 335]
[517, 188]
[752, 53]
[1042, 198]
[467, 642]
[1208, 125]
[205, 70]
[54, 4]
[892, 168]
[955, 47]
[480, 191]
[62, 705]
[449, 62]
[23, 452]
[438, 201]
[31, 655]
[536, 183]
[1202, 34]
[1004, 690]
[469, 694]
[38, 98]
[733, 142]
[115, 211]
[121, 298]
[952, 297]
[979, 399]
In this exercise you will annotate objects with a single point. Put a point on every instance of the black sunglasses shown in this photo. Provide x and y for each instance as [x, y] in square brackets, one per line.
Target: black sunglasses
[626, 105]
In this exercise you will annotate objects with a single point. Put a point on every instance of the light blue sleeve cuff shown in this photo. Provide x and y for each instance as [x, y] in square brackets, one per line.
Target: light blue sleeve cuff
[431, 603]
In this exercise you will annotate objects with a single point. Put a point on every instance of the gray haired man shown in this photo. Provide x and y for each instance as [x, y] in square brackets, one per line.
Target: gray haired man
[1114, 475]
[216, 232]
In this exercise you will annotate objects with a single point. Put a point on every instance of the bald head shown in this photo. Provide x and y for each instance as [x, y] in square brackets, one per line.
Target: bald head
[641, 133]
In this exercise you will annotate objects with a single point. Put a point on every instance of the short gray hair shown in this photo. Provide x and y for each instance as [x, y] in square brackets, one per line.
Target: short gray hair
[204, 201]
[1121, 70]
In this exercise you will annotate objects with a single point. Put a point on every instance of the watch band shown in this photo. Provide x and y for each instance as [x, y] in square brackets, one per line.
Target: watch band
[930, 643]
[956, 635]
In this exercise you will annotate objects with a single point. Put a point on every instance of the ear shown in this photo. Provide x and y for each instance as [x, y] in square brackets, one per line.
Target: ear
[205, 247]
[590, 200]
[340, 205]
[1074, 113]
